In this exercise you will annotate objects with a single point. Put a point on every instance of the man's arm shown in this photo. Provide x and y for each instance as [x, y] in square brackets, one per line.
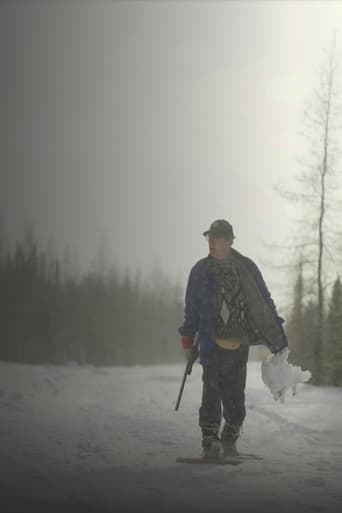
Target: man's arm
[189, 327]
[268, 298]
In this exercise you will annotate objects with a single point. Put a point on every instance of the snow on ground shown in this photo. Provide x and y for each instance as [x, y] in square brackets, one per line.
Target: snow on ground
[91, 439]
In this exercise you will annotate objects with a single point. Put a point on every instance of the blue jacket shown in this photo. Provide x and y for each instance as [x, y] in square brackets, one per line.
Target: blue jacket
[201, 306]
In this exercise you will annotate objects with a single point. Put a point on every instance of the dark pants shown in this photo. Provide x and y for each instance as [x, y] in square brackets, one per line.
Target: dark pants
[224, 382]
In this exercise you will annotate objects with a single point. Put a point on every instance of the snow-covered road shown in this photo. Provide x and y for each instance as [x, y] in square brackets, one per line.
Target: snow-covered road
[105, 440]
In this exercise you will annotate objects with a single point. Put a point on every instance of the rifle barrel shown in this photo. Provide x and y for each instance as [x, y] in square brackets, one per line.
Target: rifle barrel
[186, 372]
[188, 369]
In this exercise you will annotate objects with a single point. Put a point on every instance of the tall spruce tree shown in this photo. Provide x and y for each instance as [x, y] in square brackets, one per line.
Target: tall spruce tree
[333, 338]
[295, 325]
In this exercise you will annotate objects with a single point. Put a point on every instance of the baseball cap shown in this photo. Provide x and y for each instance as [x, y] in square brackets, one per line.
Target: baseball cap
[220, 228]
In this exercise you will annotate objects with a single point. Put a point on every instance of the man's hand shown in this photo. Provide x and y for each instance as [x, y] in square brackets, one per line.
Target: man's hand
[280, 376]
[189, 349]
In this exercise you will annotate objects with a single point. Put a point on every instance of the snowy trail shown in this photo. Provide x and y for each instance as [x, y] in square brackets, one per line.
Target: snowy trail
[105, 439]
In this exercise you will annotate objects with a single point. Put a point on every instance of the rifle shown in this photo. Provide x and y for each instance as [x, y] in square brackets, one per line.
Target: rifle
[188, 368]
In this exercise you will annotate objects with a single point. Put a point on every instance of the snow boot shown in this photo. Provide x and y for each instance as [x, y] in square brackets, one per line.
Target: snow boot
[230, 434]
[211, 444]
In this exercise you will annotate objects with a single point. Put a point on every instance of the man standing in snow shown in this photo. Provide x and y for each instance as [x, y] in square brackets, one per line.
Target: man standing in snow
[229, 307]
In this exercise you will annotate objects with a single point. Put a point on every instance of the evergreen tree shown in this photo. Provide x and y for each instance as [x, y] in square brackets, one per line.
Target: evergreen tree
[333, 338]
[309, 340]
[294, 328]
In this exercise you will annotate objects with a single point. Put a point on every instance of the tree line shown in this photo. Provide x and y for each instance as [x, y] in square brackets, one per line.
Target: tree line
[305, 335]
[48, 316]
[98, 318]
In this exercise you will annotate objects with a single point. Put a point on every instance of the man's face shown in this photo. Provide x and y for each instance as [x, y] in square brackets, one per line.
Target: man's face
[218, 245]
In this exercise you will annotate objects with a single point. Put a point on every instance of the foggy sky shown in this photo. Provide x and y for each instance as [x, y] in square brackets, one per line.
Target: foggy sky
[139, 123]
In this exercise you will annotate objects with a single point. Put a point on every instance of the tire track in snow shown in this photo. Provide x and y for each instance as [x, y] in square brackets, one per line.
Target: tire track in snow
[327, 462]
[282, 422]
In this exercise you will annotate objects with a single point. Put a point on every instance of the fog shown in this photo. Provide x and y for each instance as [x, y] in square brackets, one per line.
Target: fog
[135, 124]
[126, 129]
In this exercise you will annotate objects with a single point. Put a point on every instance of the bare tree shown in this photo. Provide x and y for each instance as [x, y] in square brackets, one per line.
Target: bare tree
[315, 193]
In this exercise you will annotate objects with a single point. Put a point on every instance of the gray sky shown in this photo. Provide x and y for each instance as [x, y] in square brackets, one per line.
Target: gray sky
[142, 122]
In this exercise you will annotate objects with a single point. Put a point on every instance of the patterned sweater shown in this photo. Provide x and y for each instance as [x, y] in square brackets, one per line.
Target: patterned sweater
[231, 314]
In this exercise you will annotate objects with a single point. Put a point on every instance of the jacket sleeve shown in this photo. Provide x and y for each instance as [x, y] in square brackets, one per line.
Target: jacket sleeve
[189, 327]
[264, 290]
[267, 295]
